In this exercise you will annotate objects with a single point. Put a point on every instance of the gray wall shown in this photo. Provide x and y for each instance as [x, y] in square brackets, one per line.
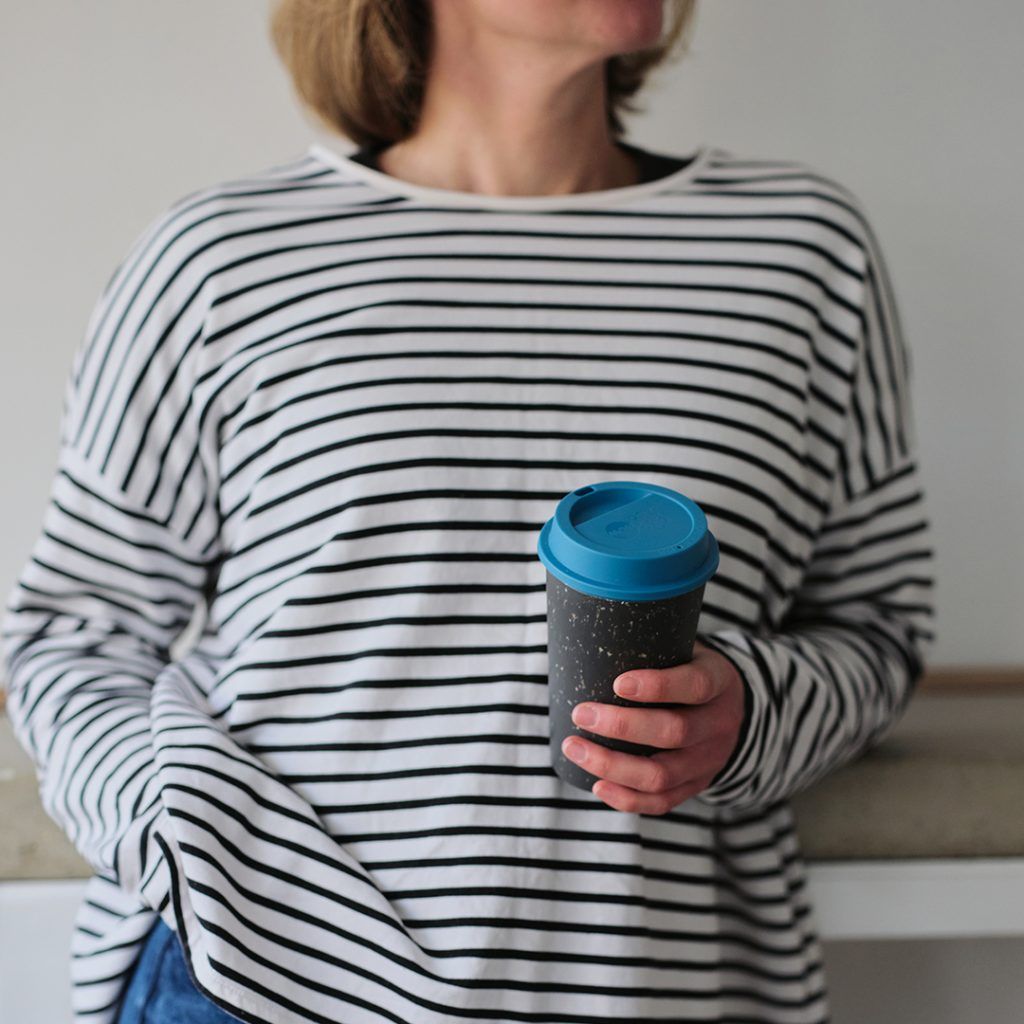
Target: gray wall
[110, 111]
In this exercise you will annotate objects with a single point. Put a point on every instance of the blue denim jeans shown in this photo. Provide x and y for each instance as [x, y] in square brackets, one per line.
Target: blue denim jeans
[160, 990]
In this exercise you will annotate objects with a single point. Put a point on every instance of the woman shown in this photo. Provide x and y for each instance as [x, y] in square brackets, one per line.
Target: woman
[336, 400]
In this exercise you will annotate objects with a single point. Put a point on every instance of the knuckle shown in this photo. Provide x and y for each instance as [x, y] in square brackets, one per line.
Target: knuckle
[702, 685]
[674, 731]
[607, 724]
[653, 686]
[619, 725]
[597, 760]
[656, 779]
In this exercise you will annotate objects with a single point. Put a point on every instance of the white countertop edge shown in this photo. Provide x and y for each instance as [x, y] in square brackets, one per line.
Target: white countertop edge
[903, 899]
[852, 900]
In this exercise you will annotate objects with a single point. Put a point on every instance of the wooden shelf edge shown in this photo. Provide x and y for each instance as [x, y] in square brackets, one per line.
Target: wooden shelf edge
[972, 678]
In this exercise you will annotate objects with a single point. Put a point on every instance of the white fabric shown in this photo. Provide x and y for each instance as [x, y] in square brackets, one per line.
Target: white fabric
[342, 408]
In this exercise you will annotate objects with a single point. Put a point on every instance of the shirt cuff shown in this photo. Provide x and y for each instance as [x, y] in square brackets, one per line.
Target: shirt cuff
[734, 777]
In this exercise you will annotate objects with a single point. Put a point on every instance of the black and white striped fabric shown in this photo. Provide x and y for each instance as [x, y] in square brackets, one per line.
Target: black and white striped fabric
[335, 408]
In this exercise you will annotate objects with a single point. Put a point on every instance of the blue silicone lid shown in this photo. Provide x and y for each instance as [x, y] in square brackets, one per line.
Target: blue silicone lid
[628, 540]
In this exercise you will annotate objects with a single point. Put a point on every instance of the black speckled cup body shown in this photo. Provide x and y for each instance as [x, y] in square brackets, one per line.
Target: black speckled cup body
[592, 641]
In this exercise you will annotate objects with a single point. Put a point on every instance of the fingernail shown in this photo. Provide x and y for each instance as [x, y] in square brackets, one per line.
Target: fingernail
[627, 686]
[572, 748]
[584, 714]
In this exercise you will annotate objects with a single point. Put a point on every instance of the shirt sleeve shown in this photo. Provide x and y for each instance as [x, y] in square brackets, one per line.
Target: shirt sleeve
[134, 759]
[128, 547]
[844, 662]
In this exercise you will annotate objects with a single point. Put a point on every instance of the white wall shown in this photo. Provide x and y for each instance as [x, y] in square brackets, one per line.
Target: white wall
[110, 111]
[916, 106]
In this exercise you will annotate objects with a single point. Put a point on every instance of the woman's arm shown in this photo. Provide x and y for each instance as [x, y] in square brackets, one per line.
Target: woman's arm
[763, 714]
[135, 761]
[844, 663]
[129, 544]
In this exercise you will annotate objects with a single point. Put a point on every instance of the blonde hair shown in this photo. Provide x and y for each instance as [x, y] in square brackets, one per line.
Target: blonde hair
[360, 65]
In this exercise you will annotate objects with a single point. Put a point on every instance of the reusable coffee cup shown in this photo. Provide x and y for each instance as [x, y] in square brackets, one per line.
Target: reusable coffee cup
[627, 563]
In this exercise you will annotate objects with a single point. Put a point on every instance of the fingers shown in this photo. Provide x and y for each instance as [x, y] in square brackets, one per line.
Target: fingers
[668, 728]
[697, 682]
[663, 772]
[621, 798]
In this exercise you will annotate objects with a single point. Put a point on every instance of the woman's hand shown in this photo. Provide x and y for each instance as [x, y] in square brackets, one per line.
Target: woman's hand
[698, 739]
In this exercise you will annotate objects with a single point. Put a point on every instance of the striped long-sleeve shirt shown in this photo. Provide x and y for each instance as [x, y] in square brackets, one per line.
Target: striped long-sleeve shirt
[334, 408]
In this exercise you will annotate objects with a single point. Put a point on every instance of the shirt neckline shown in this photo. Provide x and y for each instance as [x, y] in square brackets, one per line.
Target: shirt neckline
[594, 198]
